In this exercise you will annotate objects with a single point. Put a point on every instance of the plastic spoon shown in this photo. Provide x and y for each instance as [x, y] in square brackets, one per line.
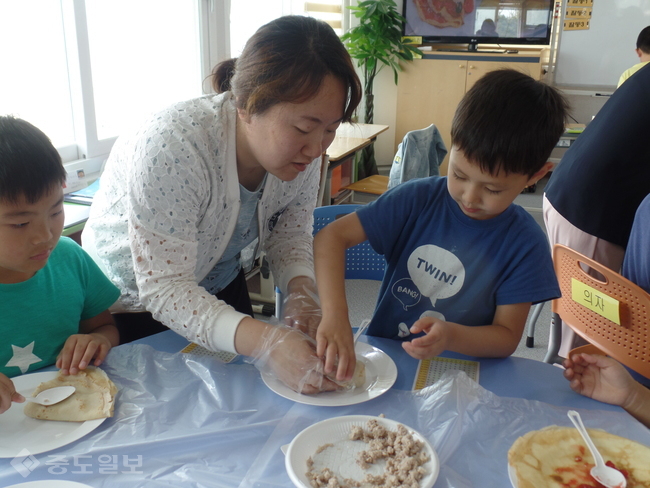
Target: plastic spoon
[52, 395]
[364, 325]
[609, 477]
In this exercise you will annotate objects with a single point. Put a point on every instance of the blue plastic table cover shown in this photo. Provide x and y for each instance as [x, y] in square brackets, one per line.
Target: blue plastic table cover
[196, 422]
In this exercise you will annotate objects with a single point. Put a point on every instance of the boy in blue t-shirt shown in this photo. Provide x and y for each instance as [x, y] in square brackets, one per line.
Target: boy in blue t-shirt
[53, 298]
[459, 253]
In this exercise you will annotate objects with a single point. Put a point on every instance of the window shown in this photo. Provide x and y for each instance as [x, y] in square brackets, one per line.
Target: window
[35, 84]
[86, 71]
[247, 17]
[331, 11]
[143, 58]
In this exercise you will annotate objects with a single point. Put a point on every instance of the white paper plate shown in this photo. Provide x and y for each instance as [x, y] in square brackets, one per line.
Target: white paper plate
[341, 458]
[513, 476]
[50, 484]
[19, 432]
[381, 374]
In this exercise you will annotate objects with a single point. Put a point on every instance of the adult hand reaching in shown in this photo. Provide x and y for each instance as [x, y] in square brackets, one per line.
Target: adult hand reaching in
[290, 356]
[301, 308]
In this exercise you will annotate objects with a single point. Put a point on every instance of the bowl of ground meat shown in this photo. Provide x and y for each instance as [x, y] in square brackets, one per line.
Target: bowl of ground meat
[361, 451]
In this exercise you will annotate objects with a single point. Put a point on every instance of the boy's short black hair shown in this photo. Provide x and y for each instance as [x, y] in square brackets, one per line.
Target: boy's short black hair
[643, 41]
[29, 164]
[509, 122]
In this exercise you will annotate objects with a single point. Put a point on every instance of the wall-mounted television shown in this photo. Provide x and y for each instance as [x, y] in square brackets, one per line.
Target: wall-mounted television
[474, 22]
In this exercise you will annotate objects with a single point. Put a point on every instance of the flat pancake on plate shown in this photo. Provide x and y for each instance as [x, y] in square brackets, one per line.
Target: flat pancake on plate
[558, 457]
[94, 398]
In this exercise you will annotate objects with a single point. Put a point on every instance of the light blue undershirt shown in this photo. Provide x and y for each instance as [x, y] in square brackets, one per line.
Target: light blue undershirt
[246, 231]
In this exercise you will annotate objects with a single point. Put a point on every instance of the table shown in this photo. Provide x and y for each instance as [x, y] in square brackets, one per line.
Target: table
[76, 216]
[194, 422]
[549, 385]
[350, 139]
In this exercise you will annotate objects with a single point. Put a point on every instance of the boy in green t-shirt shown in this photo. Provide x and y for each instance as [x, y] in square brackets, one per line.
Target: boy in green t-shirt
[53, 298]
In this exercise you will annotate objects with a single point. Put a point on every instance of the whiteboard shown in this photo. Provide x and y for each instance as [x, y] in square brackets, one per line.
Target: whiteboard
[598, 56]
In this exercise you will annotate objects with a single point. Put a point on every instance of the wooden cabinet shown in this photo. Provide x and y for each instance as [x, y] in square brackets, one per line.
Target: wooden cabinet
[430, 89]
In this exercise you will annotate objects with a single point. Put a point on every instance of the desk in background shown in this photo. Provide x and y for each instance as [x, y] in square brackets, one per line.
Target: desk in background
[349, 140]
[566, 140]
[76, 216]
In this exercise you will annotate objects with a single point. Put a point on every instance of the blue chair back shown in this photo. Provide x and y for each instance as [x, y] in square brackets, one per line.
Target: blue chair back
[361, 261]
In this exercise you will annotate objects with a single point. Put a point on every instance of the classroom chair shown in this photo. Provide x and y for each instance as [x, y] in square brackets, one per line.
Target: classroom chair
[419, 155]
[627, 342]
[530, 325]
[361, 261]
[372, 185]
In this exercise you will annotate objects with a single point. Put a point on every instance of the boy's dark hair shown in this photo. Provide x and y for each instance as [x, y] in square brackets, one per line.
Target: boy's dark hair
[509, 122]
[29, 164]
[643, 41]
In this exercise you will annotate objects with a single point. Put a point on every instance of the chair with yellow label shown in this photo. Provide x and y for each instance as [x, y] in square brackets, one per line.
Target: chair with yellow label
[610, 312]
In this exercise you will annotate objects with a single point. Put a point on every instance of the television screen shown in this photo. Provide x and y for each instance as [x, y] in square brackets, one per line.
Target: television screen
[479, 21]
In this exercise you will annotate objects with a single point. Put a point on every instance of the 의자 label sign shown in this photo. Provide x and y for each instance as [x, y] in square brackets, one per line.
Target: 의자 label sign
[596, 301]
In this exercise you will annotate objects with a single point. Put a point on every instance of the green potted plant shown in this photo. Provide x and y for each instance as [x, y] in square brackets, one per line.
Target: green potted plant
[376, 42]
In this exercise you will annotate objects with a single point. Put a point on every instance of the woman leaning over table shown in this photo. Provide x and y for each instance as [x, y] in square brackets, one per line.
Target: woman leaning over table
[203, 179]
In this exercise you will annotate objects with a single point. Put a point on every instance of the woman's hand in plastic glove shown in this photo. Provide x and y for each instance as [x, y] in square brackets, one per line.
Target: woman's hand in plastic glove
[301, 308]
[433, 343]
[291, 357]
[335, 342]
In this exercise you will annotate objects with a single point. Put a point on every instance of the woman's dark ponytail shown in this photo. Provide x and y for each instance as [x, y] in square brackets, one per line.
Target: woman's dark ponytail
[222, 74]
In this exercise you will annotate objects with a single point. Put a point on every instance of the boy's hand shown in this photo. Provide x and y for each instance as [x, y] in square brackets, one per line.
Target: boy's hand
[433, 343]
[79, 350]
[8, 394]
[334, 339]
[599, 377]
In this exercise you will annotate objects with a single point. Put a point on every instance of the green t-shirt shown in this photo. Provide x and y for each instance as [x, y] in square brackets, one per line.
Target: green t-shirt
[38, 315]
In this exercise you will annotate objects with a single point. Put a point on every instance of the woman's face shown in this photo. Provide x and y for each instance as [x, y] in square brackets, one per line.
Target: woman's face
[289, 136]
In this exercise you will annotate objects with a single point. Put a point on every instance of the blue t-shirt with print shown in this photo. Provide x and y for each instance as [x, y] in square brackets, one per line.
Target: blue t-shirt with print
[442, 263]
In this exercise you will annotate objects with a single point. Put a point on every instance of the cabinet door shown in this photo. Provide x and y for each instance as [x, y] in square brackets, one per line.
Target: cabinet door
[476, 69]
[428, 93]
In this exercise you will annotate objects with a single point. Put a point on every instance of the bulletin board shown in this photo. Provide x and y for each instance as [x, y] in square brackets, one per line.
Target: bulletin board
[596, 57]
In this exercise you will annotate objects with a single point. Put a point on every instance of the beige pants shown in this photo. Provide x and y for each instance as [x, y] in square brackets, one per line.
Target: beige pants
[561, 231]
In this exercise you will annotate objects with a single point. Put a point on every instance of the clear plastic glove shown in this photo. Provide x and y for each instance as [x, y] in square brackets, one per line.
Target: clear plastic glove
[301, 307]
[290, 356]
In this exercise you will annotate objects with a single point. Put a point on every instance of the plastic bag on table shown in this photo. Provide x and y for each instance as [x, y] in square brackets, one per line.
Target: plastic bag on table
[180, 420]
[470, 428]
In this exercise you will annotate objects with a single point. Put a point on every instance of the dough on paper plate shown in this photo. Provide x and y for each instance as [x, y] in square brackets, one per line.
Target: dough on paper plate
[94, 398]
[558, 457]
[357, 380]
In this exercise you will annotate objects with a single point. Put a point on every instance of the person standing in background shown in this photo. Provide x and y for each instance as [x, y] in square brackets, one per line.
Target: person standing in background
[593, 194]
[643, 51]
